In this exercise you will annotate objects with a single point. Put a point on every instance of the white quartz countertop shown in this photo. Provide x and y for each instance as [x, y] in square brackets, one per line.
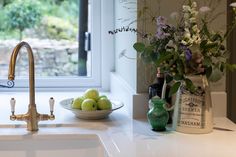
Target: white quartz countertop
[121, 135]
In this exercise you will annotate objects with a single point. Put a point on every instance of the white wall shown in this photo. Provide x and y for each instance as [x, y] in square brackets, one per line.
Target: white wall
[107, 42]
[126, 68]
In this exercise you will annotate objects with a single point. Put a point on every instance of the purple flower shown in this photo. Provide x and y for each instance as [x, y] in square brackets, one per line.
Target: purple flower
[160, 33]
[187, 51]
[161, 21]
[161, 27]
[188, 54]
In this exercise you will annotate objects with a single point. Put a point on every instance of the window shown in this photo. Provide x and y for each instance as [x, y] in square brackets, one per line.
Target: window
[53, 30]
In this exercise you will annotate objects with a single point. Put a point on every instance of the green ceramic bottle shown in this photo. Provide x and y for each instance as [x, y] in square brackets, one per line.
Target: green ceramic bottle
[158, 116]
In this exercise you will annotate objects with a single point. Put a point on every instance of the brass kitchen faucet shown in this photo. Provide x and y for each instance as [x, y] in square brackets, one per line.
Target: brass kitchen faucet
[32, 116]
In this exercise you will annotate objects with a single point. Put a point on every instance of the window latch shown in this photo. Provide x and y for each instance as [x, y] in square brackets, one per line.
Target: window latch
[87, 45]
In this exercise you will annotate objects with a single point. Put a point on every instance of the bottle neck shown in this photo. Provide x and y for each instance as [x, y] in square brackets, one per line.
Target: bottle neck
[160, 80]
[157, 102]
[159, 77]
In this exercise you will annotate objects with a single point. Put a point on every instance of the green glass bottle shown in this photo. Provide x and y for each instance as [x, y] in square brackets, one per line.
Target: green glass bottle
[157, 115]
[156, 90]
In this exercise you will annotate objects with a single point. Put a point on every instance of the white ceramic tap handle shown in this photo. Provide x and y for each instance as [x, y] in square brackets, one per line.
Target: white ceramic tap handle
[51, 104]
[13, 104]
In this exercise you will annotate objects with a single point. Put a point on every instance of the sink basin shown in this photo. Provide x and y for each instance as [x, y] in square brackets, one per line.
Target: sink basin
[69, 145]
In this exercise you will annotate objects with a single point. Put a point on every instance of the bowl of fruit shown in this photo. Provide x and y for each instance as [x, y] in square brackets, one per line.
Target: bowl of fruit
[91, 105]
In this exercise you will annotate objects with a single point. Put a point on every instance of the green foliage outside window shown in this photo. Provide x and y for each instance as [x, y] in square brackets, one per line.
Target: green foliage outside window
[57, 28]
[53, 19]
[22, 14]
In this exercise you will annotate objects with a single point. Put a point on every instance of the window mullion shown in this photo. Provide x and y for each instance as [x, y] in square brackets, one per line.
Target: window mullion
[83, 28]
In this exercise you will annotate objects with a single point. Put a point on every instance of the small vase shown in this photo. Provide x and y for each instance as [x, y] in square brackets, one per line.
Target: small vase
[193, 111]
[157, 115]
[156, 89]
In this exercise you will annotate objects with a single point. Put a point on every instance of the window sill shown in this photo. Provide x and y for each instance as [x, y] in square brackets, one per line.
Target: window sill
[41, 100]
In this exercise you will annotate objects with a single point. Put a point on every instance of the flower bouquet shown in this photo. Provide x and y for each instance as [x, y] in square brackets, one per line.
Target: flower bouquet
[188, 48]
[189, 54]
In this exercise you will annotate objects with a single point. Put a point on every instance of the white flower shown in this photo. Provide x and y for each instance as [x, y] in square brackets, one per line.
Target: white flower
[193, 20]
[186, 16]
[187, 35]
[170, 46]
[186, 24]
[186, 30]
[170, 43]
[233, 5]
[195, 29]
[184, 42]
[194, 5]
[181, 55]
[174, 15]
[209, 42]
[186, 8]
[190, 41]
[196, 39]
[204, 9]
[194, 13]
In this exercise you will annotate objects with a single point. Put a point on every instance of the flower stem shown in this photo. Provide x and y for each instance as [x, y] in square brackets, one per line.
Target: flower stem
[163, 92]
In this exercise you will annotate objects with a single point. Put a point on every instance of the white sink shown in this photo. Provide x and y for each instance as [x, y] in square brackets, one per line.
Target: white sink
[69, 145]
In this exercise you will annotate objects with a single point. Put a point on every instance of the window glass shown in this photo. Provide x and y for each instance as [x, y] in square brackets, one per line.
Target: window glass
[52, 28]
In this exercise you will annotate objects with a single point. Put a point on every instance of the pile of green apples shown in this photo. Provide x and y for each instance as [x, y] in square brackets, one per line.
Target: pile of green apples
[91, 101]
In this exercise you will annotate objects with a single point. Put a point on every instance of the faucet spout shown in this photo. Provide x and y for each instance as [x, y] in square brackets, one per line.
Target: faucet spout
[11, 74]
[32, 116]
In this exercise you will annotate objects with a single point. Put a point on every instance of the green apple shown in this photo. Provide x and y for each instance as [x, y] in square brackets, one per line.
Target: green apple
[104, 104]
[91, 94]
[77, 103]
[89, 105]
[102, 96]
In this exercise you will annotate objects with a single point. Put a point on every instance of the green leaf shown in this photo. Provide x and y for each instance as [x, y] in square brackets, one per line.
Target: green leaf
[211, 45]
[204, 29]
[180, 67]
[216, 75]
[168, 78]
[178, 77]
[163, 58]
[148, 49]
[189, 85]
[207, 61]
[231, 67]
[203, 44]
[216, 37]
[222, 47]
[145, 57]
[188, 82]
[208, 72]
[174, 88]
[222, 67]
[139, 47]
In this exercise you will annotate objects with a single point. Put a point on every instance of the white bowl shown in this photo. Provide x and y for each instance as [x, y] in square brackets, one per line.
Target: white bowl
[98, 114]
